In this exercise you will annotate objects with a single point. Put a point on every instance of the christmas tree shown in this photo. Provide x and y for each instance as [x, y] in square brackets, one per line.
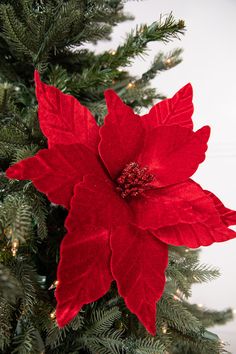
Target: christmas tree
[50, 36]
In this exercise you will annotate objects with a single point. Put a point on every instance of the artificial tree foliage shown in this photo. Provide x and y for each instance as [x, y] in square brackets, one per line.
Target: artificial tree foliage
[50, 35]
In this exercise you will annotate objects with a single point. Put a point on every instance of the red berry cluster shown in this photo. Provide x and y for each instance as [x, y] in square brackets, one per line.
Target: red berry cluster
[134, 180]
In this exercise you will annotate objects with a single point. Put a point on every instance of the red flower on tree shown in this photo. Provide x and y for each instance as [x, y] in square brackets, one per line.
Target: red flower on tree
[128, 190]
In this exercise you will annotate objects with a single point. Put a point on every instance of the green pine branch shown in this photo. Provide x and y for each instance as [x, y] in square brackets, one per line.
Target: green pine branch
[6, 326]
[162, 62]
[177, 316]
[164, 30]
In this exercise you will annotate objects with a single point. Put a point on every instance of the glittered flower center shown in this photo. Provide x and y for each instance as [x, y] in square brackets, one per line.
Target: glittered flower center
[134, 180]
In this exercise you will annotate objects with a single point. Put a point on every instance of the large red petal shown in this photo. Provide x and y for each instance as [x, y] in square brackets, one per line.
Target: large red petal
[84, 269]
[63, 119]
[173, 153]
[138, 265]
[99, 204]
[227, 215]
[195, 235]
[208, 226]
[184, 202]
[55, 171]
[121, 135]
[176, 110]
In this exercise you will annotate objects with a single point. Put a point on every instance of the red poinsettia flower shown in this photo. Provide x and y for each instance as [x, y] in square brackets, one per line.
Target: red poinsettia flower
[128, 189]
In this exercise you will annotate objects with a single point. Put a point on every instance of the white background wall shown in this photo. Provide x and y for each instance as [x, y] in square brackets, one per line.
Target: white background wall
[209, 64]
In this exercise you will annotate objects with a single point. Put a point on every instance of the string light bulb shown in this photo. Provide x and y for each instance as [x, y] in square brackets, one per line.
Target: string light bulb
[53, 315]
[200, 305]
[130, 85]
[178, 292]
[54, 285]
[15, 246]
[164, 328]
[175, 297]
[141, 30]
[113, 52]
[8, 232]
[168, 62]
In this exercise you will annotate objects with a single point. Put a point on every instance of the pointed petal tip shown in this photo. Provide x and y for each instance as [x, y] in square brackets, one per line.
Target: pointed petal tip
[65, 315]
[189, 86]
[115, 103]
[207, 131]
[149, 323]
[38, 83]
[60, 321]
[228, 216]
[204, 133]
[8, 173]
[12, 172]
[152, 330]
[110, 95]
[109, 91]
[36, 76]
[186, 90]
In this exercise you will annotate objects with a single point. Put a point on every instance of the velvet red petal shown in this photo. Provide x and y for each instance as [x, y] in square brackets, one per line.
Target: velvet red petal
[211, 228]
[195, 235]
[84, 269]
[63, 120]
[121, 135]
[115, 103]
[138, 265]
[55, 171]
[176, 110]
[228, 216]
[173, 153]
[83, 273]
[184, 202]
[99, 204]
